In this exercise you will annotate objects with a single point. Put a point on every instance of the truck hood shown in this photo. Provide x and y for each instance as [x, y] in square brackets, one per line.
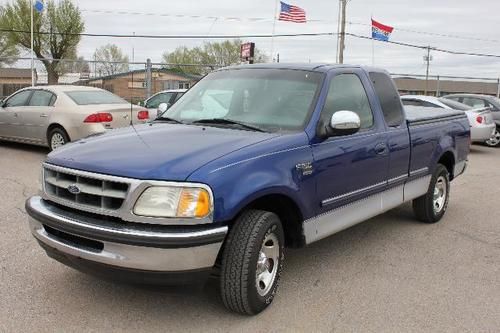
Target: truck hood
[156, 151]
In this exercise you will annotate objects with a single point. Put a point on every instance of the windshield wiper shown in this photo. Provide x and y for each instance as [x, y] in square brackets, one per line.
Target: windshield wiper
[167, 119]
[229, 122]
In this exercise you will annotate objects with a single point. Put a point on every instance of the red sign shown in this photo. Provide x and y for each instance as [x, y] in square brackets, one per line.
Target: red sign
[247, 51]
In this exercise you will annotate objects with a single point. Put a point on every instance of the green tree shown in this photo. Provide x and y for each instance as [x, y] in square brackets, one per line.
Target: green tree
[111, 60]
[57, 32]
[215, 53]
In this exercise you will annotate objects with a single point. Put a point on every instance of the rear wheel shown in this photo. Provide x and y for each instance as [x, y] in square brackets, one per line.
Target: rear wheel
[430, 207]
[494, 141]
[57, 137]
[252, 262]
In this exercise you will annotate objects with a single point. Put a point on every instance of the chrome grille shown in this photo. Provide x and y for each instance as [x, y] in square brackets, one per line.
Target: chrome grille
[85, 191]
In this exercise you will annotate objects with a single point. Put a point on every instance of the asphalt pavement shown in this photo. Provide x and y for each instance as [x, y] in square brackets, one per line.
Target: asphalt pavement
[388, 274]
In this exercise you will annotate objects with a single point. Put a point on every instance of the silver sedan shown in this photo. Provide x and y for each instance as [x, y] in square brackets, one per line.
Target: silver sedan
[54, 115]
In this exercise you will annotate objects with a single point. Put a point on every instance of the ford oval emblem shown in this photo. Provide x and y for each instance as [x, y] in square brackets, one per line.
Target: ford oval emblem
[73, 189]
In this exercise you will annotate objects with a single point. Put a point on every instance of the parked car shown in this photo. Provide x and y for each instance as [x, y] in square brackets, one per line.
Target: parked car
[55, 115]
[168, 97]
[476, 100]
[482, 126]
[267, 157]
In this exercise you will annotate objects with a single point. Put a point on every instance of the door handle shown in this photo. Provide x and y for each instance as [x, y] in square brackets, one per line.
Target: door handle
[381, 149]
[15, 115]
[43, 116]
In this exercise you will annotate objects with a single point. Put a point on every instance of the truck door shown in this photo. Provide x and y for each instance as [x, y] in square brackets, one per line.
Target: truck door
[352, 167]
[398, 136]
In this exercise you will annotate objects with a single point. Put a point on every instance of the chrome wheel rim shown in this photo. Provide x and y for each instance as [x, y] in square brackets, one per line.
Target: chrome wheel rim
[440, 191]
[57, 141]
[267, 264]
[495, 139]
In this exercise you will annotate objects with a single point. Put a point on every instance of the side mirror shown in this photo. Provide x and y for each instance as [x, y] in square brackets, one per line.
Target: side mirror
[162, 108]
[343, 123]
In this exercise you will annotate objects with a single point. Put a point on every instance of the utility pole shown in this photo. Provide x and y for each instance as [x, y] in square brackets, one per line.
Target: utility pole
[32, 44]
[342, 31]
[428, 59]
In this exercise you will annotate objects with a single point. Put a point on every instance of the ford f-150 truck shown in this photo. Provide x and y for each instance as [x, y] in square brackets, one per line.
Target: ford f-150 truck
[252, 160]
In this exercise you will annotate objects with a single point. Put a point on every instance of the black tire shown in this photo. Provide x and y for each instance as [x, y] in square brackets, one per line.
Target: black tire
[424, 206]
[240, 257]
[61, 134]
[494, 141]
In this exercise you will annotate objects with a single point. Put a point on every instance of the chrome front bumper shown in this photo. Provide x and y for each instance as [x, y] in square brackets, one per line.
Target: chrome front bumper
[122, 245]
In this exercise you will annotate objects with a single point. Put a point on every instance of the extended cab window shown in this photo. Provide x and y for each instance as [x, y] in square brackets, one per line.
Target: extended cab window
[389, 98]
[347, 93]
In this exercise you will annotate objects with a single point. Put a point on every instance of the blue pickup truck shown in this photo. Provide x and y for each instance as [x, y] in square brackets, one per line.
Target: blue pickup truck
[250, 161]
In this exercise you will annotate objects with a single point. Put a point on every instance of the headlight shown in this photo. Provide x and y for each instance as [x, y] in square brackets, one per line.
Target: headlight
[186, 202]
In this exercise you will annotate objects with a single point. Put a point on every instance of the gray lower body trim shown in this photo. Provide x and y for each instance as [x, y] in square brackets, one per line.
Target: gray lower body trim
[459, 168]
[346, 216]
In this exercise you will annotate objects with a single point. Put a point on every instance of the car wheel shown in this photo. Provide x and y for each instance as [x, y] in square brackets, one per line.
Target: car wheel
[252, 262]
[430, 207]
[57, 137]
[494, 141]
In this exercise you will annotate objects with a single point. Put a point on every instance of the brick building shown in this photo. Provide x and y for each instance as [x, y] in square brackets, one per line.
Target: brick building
[415, 86]
[132, 85]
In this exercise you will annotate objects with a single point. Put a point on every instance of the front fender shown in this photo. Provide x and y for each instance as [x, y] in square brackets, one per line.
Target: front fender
[248, 175]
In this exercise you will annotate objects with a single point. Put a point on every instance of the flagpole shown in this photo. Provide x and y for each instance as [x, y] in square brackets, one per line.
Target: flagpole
[274, 30]
[338, 35]
[373, 44]
[32, 53]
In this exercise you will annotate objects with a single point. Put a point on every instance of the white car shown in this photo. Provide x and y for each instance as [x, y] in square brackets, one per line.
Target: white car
[168, 97]
[55, 115]
[482, 125]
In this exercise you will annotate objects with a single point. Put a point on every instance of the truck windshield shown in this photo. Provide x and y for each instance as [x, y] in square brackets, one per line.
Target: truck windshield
[267, 99]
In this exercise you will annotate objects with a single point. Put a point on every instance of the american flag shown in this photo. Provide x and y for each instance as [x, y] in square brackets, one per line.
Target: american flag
[292, 13]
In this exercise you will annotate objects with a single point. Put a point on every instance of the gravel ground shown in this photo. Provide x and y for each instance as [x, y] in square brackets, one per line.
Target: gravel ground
[389, 274]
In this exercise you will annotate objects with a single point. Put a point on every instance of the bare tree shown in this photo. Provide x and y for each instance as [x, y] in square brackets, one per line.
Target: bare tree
[111, 60]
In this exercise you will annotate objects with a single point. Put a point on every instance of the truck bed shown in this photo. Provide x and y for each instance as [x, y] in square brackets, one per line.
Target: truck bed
[416, 115]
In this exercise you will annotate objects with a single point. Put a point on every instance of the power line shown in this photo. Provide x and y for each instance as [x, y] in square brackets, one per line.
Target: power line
[264, 19]
[173, 36]
[254, 36]
[436, 34]
[220, 18]
[437, 49]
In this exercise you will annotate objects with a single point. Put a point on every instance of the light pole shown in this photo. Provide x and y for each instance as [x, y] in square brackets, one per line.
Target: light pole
[428, 59]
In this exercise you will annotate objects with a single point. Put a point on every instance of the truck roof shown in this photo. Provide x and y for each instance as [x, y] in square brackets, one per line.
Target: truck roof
[312, 67]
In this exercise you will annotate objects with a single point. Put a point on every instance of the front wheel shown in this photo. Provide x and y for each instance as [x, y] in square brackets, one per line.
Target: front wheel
[431, 207]
[494, 141]
[252, 262]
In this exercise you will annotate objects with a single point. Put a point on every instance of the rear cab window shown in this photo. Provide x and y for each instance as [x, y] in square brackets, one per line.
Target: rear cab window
[389, 98]
[92, 97]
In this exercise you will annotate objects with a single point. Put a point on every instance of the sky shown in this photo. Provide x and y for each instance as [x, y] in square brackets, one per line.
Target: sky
[474, 26]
